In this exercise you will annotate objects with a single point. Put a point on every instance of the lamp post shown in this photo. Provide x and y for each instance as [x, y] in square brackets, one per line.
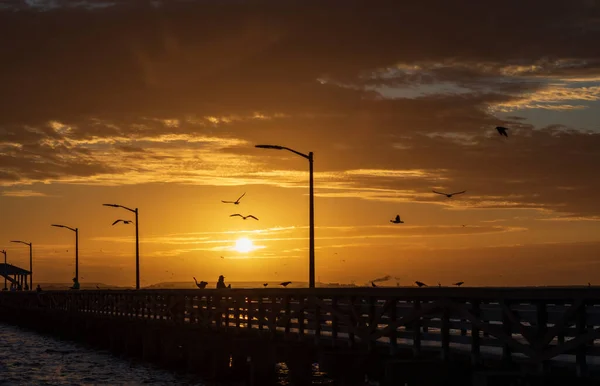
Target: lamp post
[137, 243]
[311, 210]
[30, 261]
[4, 253]
[76, 230]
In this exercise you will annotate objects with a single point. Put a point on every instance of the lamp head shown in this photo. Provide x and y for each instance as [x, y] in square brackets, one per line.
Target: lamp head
[276, 147]
[113, 205]
[59, 226]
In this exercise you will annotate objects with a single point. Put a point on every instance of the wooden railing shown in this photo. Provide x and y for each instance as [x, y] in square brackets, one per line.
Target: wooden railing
[536, 325]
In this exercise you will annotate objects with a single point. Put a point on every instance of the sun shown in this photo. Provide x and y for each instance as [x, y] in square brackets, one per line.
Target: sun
[244, 245]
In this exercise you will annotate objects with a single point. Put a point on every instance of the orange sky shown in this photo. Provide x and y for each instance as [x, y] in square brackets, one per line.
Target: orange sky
[162, 110]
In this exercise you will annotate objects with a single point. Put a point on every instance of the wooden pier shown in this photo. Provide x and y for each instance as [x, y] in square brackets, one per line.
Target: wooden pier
[445, 333]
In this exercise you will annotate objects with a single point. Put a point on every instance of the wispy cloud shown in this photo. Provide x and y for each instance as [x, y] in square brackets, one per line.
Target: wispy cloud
[23, 193]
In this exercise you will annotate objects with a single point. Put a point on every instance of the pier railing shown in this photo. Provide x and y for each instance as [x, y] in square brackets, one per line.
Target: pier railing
[534, 325]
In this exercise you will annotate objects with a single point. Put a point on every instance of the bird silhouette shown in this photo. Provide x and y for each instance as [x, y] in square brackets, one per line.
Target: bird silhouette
[265, 284]
[285, 283]
[124, 221]
[97, 286]
[449, 195]
[244, 217]
[459, 283]
[502, 131]
[397, 220]
[200, 285]
[373, 284]
[420, 284]
[236, 202]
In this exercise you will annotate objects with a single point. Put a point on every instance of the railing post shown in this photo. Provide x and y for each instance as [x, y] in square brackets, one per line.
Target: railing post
[445, 332]
[475, 340]
[542, 328]
[581, 351]
[286, 306]
[416, 329]
[507, 328]
[394, 331]
[317, 323]
[300, 317]
[334, 322]
[249, 312]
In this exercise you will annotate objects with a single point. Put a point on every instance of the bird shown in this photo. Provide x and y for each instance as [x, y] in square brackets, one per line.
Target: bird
[285, 283]
[459, 283]
[449, 195]
[373, 284]
[236, 202]
[265, 284]
[97, 286]
[502, 131]
[397, 220]
[420, 284]
[124, 221]
[244, 217]
[201, 285]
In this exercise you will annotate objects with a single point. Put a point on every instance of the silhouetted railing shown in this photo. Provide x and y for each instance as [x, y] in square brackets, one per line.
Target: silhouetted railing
[516, 324]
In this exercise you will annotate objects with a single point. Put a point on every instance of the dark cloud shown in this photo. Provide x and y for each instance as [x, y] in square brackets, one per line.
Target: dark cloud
[112, 77]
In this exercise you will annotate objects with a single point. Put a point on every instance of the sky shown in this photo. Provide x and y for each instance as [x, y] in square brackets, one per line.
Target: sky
[158, 105]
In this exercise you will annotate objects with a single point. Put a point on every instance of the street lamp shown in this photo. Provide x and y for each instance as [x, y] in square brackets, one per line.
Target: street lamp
[30, 261]
[311, 210]
[137, 243]
[76, 230]
[5, 268]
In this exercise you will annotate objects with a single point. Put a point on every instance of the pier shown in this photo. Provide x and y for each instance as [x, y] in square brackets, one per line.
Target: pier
[424, 336]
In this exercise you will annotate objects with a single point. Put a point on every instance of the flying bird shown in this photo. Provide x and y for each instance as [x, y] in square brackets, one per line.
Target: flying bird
[459, 283]
[449, 195]
[420, 284]
[236, 202]
[373, 284]
[265, 284]
[200, 285]
[285, 283]
[397, 220]
[244, 217]
[502, 131]
[124, 221]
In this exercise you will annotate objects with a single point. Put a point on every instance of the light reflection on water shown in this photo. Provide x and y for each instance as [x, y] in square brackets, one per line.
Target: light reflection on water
[30, 358]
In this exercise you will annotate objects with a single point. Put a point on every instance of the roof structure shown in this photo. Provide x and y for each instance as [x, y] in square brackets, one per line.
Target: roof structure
[10, 270]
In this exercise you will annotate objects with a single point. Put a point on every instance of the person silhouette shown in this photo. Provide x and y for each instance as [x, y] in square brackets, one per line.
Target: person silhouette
[221, 282]
[75, 284]
[38, 289]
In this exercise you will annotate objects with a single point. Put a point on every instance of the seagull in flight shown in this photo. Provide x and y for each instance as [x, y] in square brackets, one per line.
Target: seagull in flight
[397, 220]
[420, 284]
[265, 284]
[286, 283]
[200, 285]
[124, 221]
[244, 217]
[449, 195]
[459, 283]
[236, 202]
[502, 131]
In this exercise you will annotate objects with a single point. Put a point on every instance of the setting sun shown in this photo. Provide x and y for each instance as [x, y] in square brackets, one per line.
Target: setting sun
[244, 245]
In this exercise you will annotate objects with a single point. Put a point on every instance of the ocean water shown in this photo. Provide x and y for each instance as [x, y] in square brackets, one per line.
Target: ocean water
[29, 358]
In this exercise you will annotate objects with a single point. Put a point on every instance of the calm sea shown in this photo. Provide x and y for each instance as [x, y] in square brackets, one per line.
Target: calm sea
[28, 358]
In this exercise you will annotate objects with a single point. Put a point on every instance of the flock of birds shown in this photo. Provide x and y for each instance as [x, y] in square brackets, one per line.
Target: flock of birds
[202, 284]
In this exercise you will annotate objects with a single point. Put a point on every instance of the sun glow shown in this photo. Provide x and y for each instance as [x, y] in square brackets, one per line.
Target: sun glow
[244, 245]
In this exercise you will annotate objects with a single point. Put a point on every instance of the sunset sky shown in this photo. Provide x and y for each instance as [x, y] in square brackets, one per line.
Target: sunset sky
[158, 105]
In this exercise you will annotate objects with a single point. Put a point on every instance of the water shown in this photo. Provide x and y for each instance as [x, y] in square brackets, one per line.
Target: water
[30, 358]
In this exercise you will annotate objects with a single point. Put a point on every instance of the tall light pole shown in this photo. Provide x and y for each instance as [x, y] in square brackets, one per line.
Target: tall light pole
[5, 267]
[311, 210]
[30, 261]
[76, 230]
[137, 243]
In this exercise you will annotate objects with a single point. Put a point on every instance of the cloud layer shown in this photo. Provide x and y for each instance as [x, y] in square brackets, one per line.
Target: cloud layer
[394, 100]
